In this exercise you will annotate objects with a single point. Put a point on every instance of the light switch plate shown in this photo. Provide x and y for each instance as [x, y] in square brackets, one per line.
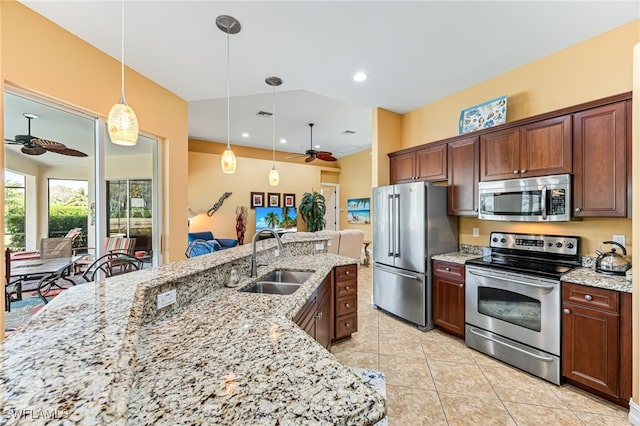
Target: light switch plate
[476, 232]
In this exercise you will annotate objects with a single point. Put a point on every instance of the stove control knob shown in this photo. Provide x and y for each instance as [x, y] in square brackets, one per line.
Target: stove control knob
[570, 245]
[550, 244]
[559, 244]
[495, 239]
[503, 240]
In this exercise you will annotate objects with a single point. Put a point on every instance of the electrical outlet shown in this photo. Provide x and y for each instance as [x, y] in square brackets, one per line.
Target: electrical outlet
[476, 232]
[319, 246]
[276, 253]
[620, 239]
[166, 298]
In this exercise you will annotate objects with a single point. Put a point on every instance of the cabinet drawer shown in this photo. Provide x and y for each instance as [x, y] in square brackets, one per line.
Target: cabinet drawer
[347, 305]
[346, 272]
[597, 298]
[448, 269]
[346, 288]
[346, 325]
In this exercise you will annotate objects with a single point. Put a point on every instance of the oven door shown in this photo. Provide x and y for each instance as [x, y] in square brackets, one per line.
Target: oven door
[520, 307]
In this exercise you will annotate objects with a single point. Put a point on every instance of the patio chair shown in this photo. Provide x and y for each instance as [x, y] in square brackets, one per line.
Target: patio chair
[35, 254]
[113, 246]
[55, 247]
[111, 264]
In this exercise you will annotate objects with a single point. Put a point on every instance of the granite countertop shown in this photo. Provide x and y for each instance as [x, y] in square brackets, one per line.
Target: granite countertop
[100, 353]
[585, 275]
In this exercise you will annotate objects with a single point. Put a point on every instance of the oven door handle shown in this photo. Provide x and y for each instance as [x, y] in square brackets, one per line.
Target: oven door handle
[541, 358]
[544, 287]
[543, 202]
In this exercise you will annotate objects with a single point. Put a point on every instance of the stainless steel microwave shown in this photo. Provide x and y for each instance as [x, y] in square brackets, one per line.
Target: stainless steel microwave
[540, 199]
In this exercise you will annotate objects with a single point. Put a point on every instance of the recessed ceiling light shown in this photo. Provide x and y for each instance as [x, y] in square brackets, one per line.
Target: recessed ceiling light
[283, 140]
[317, 146]
[360, 76]
[245, 135]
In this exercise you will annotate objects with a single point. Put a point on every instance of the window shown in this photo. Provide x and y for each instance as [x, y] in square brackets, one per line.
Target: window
[130, 210]
[68, 208]
[14, 210]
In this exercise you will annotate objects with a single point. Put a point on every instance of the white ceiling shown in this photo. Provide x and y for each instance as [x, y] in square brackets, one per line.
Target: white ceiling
[414, 52]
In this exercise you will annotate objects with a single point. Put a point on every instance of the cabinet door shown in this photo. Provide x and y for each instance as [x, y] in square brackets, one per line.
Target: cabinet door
[402, 168]
[590, 348]
[448, 297]
[500, 155]
[546, 147]
[463, 177]
[599, 164]
[431, 163]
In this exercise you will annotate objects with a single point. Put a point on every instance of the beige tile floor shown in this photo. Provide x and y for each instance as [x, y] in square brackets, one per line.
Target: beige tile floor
[432, 378]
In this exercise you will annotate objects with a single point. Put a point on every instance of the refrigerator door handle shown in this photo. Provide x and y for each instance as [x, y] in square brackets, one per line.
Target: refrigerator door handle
[397, 226]
[391, 226]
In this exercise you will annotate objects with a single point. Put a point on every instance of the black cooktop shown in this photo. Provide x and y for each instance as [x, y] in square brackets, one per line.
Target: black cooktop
[546, 268]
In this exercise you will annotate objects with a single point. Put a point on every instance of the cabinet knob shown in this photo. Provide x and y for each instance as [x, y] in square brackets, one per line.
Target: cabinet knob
[346, 305]
[460, 285]
[515, 172]
[578, 209]
[566, 311]
[447, 269]
[588, 297]
[348, 273]
[523, 171]
[347, 287]
[347, 325]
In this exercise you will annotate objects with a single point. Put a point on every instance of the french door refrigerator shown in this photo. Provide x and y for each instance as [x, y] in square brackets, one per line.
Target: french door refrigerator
[410, 224]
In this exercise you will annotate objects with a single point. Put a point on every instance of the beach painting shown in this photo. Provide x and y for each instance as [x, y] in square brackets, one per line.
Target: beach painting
[358, 210]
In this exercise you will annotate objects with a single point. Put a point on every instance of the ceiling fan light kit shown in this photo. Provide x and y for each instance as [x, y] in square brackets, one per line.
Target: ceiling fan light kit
[122, 122]
[229, 25]
[274, 176]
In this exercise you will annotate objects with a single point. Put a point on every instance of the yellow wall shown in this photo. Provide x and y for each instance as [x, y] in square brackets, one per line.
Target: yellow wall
[59, 66]
[207, 184]
[386, 137]
[355, 182]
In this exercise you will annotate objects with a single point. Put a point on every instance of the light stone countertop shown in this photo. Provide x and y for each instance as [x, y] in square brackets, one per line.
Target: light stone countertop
[455, 257]
[100, 353]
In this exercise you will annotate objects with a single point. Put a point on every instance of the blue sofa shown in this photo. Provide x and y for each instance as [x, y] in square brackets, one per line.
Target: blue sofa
[204, 242]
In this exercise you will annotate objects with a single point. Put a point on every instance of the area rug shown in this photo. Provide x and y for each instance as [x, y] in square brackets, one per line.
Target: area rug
[24, 309]
[374, 379]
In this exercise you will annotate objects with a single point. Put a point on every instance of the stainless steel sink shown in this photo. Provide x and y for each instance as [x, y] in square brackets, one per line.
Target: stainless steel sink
[266, 287]
[278, 276]
[279, 282]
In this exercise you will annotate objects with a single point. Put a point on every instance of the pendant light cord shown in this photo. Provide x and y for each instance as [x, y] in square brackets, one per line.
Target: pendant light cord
[228, 84]
[273, 136]
[122, 98]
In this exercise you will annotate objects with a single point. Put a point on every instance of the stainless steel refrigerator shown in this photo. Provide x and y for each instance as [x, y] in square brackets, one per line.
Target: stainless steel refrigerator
[410, 224]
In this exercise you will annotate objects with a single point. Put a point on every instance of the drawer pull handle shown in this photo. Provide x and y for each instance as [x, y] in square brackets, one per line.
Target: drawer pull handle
[566, 311]
[588, 297]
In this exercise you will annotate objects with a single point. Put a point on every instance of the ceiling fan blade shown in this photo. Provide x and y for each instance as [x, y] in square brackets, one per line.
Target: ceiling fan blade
[49, 145]
[33, 151]
[326, 156]
[296, 156]
[70, 152]
[309, 159]
[12, 142]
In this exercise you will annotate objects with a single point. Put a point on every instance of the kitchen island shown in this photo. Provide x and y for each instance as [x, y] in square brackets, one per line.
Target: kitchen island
[102, 353]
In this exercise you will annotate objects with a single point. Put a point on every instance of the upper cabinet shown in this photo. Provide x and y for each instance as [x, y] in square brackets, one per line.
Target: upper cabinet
[600, 162]
[536, 149]
[425, 164]
[463, 177]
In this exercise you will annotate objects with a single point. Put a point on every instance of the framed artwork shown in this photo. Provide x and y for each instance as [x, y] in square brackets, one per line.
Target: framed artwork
[274, 199]
[257, 199]
[358, 210]
[484, 115]
[289, 200]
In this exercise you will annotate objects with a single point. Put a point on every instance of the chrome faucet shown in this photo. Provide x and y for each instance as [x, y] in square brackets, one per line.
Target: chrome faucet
[254, 267]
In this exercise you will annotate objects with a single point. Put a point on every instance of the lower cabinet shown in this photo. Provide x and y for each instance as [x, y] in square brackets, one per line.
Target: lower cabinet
[448, 297]
[346, 301]
[596, 341]
[315, 316]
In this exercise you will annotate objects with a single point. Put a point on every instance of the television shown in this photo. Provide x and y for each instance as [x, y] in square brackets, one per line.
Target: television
[280, 219]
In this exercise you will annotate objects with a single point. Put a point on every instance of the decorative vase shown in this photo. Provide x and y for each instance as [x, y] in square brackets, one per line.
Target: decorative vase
[241, 223]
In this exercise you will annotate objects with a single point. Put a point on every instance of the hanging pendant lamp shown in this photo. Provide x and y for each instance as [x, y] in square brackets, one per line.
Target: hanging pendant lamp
[274, 176]
[229, 25]
[122, 122]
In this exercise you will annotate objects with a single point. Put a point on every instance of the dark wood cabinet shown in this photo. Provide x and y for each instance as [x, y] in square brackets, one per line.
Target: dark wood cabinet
[315, 317]
[596, 325]
[463, 177]
[346, 301]
[425, 164]
[448, 297]
[600, 162]
[535, 149]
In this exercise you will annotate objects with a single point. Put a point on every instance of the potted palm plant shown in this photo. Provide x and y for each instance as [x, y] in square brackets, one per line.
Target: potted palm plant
[312, 209]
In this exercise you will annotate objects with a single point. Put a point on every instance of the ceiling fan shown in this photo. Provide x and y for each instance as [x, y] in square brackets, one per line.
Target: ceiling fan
[312, 154]
[32, 145]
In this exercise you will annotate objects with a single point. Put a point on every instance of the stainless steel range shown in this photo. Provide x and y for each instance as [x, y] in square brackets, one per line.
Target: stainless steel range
[513, 300]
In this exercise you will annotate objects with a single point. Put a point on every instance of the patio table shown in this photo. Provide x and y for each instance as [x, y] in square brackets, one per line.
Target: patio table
[48, 271]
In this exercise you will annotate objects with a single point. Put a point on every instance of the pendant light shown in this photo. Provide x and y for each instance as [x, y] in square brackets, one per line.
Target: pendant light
[229, 25]
[274, 176]
[122, 122]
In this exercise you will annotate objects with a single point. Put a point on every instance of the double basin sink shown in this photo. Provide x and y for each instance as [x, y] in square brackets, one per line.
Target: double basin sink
[279, 282]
